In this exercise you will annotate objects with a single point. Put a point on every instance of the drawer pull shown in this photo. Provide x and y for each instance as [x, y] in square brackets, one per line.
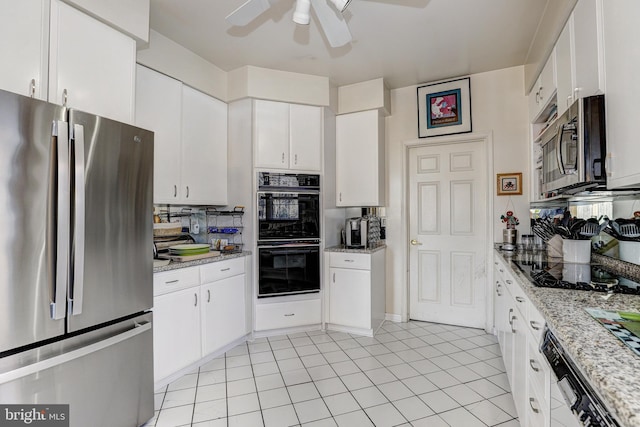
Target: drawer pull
[531, 363]
[508, 282]
[519, 299]
[498, 292]
[225, 269]
[289, 315]
[349, 260]
[495, 262]
[171, 281]
[195, 304]
[208, 295]
[501, 270]
[513, 329]
[510, 318]
[531, 402]
[533, 325]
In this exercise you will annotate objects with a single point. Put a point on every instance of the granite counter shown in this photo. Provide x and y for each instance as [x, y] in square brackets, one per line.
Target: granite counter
[173, 265]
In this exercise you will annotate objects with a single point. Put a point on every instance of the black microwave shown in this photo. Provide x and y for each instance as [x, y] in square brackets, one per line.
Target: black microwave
[574, 149]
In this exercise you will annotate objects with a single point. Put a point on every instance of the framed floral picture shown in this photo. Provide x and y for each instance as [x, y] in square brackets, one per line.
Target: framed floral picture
[444, 108]
[509, 184]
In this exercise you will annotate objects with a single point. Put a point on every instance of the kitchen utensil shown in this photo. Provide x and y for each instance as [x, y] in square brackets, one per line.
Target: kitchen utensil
[185, 258]
[630, 230]
[189, 249]
[589, 229]
[527, 242]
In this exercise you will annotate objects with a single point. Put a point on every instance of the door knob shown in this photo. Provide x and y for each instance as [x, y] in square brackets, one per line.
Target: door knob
[414, 242]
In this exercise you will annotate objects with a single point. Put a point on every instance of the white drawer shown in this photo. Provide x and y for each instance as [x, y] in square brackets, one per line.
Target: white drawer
[287, 314]
[350, 260]
[538, 371]
[221, 270]
[536, 322]
[537, 408]
[174, 280]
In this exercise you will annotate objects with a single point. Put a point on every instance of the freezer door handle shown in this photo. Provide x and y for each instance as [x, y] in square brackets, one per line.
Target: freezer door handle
[72, 355]
[61, 134]
[75, 293]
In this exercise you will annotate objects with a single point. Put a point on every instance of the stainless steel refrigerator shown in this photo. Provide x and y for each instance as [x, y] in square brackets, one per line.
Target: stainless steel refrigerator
[76, 263]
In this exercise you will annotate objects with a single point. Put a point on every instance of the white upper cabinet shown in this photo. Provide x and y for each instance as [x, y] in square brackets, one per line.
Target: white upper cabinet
[544, 89]
[91, 65]
[305, 133]
[24, 50]
[190, 140]
[204, 149]
[360, 164]
[622, 59]
[287, 136]
[579, 55]
[564, 65]
[159, 108]
[271, 134]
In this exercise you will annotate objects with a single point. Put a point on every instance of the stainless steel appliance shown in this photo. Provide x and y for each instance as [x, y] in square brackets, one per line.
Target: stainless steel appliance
[576, 391]
[75, 263]
[356, 233]
[288, 207]
[288, 269]
[574, 149]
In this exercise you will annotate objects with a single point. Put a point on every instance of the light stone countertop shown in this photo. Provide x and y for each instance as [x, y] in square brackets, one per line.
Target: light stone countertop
[341, 248]
[173, 265]
[611, 368]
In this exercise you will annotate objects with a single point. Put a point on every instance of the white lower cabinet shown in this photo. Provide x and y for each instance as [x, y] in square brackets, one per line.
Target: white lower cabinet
[197, 311]
[519, 326]
[355, 285]
[176, 336]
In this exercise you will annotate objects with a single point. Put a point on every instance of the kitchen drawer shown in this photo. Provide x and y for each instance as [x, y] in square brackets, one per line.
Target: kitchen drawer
[536, 322]
[350, 260]
[287, 314]
[221, 270]
[537, 408]
[174, 280]
[538, 371]
[521, 299]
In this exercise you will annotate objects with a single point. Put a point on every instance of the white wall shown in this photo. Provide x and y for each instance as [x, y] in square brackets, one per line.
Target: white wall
[498, 106]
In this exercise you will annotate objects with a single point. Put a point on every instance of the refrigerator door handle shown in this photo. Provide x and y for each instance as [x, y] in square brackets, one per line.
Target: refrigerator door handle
[72, 355]
[79, 222]
[57, 307]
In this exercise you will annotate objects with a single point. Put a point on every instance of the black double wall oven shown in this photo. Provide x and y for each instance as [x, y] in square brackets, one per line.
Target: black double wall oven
[288, 234]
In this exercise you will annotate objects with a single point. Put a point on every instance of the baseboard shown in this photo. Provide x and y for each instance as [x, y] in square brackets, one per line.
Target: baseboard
[393, 317]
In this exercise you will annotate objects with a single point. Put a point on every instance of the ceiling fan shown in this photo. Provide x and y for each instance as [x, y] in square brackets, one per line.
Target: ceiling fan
[332, 23]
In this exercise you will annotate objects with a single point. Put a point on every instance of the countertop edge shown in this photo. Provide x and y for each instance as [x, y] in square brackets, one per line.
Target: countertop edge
[174, 265]
[343, 249]
[609, 366]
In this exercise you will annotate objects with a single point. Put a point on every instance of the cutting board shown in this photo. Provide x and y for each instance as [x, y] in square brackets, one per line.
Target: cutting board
[184, 258]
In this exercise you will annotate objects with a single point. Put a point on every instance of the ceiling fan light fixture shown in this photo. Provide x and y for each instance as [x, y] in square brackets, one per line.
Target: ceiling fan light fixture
[301, 13]
[341, 5]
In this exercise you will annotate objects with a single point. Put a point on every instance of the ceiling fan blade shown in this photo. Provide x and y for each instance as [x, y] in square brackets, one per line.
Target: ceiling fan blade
[332, 23]
[247, 12]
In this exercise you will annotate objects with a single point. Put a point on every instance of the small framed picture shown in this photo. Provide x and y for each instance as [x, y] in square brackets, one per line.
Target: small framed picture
[509, 184]
[444, 108]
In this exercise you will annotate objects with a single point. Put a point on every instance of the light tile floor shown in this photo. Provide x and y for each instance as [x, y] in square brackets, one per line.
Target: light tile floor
[409, 374]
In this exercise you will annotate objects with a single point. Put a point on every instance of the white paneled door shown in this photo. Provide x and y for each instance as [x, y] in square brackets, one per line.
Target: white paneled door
[448, 233]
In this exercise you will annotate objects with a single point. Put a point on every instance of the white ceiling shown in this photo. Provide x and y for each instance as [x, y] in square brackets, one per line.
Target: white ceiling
[405, 41]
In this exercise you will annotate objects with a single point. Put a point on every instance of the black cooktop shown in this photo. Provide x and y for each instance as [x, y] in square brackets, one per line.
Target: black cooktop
[585, 277]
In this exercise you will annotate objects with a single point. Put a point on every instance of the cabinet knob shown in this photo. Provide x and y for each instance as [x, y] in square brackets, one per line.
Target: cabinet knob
[531, 363]
[195, 304]
[519, 299]
[187, 191]
[341, 196]
[295, 159]
[175, 191]
[208, 295]
[534, 325]
[531, 402]
[283, 157]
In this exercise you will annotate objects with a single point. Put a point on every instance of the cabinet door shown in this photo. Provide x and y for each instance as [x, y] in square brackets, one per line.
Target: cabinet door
[622, 58]
[350, 297]
[564, 68]
[24, 36]
[204, 149]
[359, 159]
[223, 313]
[305, 131]
[176, 331]
[158, 108]
[548, 81]
[271, 134]
[588, 48]
[92, 62]
[500, 312]
[519, 366]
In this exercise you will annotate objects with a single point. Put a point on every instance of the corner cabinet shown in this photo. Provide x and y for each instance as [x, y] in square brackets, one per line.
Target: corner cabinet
[287, 136]
[356, 291]
[190, 128]
[360, 159]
